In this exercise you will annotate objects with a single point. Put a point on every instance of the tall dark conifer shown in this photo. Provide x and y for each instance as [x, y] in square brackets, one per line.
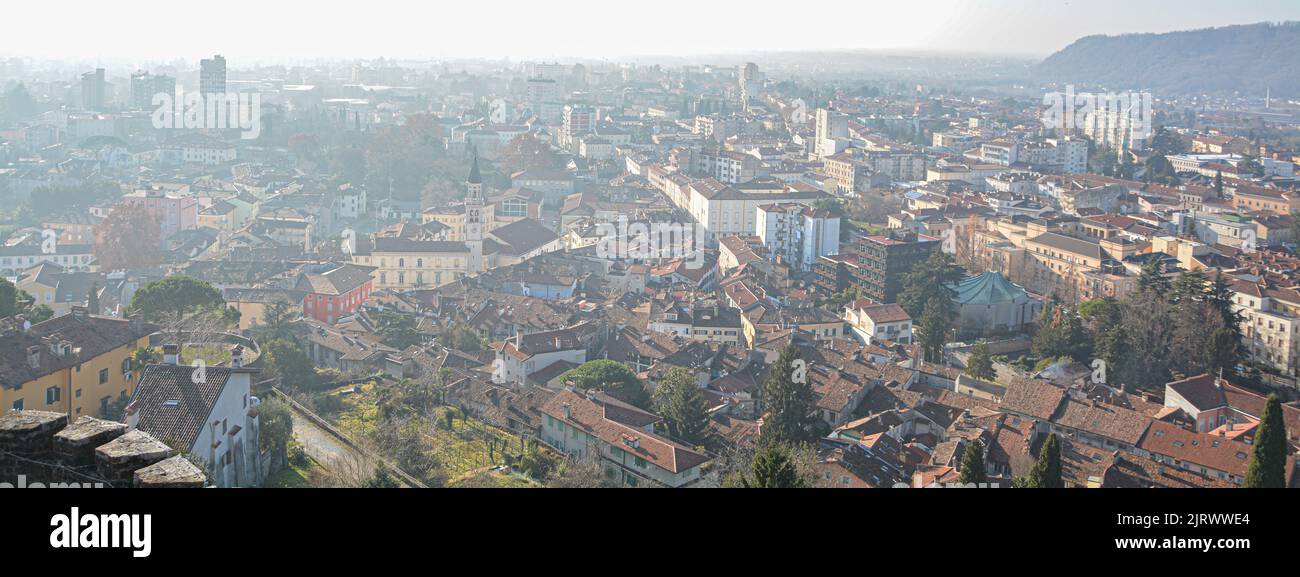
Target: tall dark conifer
[1268, 457]
[1046, 473]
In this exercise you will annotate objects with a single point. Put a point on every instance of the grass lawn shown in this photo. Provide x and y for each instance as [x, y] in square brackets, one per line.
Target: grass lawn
[359, 415]
[211, 354]
[869, 228]
[291, 477]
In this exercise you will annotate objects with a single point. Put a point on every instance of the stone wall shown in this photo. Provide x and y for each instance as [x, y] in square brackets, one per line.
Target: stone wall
[41, 447]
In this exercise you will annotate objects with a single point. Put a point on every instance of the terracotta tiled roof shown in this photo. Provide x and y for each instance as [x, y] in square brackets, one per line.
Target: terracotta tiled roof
[1201, 391]
[602, 420]
[1217, 453]
[1118, 423]
[1032, 397]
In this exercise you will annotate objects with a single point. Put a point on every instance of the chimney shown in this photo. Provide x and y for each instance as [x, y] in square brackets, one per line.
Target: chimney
[237, 357]
[34, 357]
[171, 354]
[79, 312]
[132, 415]
[136, 323]
[566, 410]
[557, 342]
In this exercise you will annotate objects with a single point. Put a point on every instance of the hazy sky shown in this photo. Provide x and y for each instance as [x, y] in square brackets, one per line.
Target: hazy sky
[268, 30]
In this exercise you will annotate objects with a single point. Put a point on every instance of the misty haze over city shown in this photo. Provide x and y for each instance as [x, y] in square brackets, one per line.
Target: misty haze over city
[587, 244]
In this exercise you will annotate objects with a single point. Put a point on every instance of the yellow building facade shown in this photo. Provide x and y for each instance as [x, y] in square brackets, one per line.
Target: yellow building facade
[75, 364]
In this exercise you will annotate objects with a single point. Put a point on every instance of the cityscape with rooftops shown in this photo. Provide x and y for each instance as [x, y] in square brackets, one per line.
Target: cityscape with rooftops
[1064, 257]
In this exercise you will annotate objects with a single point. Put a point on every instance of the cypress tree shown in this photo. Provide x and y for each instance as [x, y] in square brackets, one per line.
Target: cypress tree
[1268, 457]
[92, 299]
[1046, 473]
[972, 465]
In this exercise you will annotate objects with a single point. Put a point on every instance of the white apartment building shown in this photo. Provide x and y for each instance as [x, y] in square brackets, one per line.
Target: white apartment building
[873, 322]
[1070, 155]
[955, 141]
[799, 234]
[899, 166]
[832, 133]
[1270, 319]
[723, 209]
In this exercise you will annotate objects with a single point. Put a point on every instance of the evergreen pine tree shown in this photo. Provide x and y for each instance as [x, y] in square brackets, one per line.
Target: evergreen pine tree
[972, 465]
[1188, 286]
[934, 325]
[1220, 295]
[980, 364]
[1046, 473]
[683, 407]
[773, 468]
[1268, 457]
[1152, 277]
[788, 400]
[1062, 335]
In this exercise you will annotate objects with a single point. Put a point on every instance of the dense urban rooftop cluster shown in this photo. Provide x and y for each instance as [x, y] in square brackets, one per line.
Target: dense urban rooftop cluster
[634, 275]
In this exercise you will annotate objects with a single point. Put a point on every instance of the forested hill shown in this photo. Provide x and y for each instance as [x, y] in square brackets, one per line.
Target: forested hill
[1246, 59]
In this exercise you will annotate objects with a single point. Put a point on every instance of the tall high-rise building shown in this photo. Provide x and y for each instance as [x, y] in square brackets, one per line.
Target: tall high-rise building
[541, 90]
[578, 120]
[474, 219]
[548, 70]
[750, 81]
[212, 75]
[832, 127]
[93, 89]
[144, 86]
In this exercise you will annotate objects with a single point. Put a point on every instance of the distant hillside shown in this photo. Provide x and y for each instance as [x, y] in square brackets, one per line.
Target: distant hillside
[1245, 58]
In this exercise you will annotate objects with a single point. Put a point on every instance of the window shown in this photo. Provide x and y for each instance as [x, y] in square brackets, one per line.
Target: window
[18, 405]
[103, 376]
[51, 395]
